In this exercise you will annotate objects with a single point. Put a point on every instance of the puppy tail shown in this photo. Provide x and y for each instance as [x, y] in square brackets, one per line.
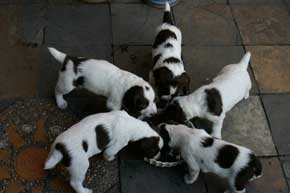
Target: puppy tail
[59, 56]
[245, 60]
[167, 17]
[53, 158]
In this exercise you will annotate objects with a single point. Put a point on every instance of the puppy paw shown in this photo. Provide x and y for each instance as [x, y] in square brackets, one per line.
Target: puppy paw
[109, 157]
[86, 190]
[188, 179]
[62, 105]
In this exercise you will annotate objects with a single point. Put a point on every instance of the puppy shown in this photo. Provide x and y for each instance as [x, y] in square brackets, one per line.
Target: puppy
[202, 152]
[123, 89]
[206, 107]
[104, 132]
[168, 74]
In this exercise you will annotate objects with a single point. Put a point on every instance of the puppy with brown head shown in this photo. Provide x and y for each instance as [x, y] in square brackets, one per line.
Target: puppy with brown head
[206, 107]
[123, 89]
[105, 133]
[168, 74]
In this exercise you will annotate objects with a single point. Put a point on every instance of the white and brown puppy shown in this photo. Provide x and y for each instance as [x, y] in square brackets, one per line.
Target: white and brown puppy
[123, 89]
[206, 107]
[168, 74]
[201, 152]
[104, 132]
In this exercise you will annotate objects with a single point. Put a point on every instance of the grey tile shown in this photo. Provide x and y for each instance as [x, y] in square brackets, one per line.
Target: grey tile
[246, 125]
[77, 25]
[257, 2]
[271, 66]
[272, 180]
[211, 24]
[285, 162]
[263, 24]
[138, 176]
[136, 59]
[49, 67]
[278, 112]
[134, 24]
[204, 63]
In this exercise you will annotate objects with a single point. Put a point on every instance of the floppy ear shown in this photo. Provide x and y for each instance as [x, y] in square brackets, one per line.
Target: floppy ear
[133, 100]
[182, 82]
[150, 146]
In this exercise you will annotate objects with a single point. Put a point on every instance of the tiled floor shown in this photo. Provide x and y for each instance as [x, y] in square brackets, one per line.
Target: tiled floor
[215, 33]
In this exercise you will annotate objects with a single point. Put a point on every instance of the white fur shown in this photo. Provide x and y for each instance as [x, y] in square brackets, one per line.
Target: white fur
[175, 51]
[199, 158]
[101, 78]
[233, 84]
[121, 127]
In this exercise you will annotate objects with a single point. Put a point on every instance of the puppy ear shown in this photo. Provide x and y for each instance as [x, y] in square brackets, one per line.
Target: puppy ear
[150, 146]
[182, 82]
[133, 100]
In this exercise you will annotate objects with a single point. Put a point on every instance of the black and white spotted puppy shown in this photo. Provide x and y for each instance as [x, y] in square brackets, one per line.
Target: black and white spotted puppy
[206, 107]
[201, 152]
[168, 74]
[124, 90]
[104, 132]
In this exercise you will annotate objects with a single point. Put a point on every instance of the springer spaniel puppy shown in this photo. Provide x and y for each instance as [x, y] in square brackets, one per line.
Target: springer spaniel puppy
[206, 107]
[201, 152]
[104, 132]
[168, 74]
[123, 89]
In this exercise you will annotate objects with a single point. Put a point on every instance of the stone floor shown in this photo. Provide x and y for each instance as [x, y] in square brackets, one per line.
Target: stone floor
[215, 33]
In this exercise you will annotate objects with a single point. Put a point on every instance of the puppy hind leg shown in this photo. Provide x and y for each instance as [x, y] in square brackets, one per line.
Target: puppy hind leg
[62, 88]
[193, 171]
[78, 171]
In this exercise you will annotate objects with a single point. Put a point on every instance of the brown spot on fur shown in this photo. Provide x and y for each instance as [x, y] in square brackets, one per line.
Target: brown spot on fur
[102, 137]
[150, 146]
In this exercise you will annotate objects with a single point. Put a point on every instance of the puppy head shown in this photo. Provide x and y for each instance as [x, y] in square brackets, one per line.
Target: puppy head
[168, 152]
[174, 112]
[151, 147]
[139, 100]
[168, 85]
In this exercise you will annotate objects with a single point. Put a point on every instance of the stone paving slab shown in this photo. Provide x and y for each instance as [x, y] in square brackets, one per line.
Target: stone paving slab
[211, 24]
[134, 24]
[263, 24]
[246, 125]
[271, 66]
[285, 162]
[272, 180]
[76, 25]
[204, 63]
[136, 59]
[138, 176]
[277, 110]
[257, 2]
[27, 131]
